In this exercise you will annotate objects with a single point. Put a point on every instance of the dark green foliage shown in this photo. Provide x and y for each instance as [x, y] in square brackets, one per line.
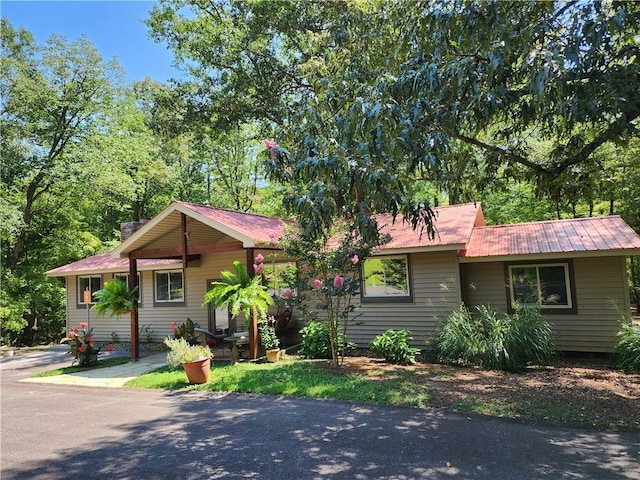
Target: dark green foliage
[393, 346]
[115, 299]
[628, 348]
[494, 341]
[316, 342]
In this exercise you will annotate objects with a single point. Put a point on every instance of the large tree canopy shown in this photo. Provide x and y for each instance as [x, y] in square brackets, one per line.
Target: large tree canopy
[503, 75]
[367, 97]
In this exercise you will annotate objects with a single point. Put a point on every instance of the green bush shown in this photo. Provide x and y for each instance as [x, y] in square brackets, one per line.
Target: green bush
[494, 341]
[316, 342]
[628, 348]
[393, 346]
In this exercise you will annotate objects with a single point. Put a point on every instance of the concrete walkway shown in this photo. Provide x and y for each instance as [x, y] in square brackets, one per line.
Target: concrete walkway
[111, 377]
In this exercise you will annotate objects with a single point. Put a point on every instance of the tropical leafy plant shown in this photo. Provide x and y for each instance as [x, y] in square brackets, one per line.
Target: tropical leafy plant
[393, 346]
[186, 331]
[628, 348]
[115, 299]
[494, 341]
[82, 347]
[239, 292]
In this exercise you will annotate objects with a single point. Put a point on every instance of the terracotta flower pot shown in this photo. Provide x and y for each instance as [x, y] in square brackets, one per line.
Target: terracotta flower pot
[198, 371]
[273, 355]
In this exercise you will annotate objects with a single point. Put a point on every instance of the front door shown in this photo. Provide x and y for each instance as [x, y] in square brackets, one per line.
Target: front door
[218, 319]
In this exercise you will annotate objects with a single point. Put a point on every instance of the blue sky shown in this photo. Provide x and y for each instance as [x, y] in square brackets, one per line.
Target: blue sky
[114, 27]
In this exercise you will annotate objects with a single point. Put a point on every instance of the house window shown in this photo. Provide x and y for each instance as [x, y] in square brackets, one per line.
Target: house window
[125, 279]
[386, 279]
[548, 285]
[169, 287]
[91, 283]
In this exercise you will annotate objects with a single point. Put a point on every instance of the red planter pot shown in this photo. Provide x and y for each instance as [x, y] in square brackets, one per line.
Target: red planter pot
[198, 371]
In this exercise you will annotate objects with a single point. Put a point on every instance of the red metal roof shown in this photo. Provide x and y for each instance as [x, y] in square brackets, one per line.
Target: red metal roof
[104, 262]
[553, 236]
[454, 224]
[263, 230]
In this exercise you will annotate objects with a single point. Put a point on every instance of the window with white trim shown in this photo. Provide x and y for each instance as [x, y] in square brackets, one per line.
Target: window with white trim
[386, 278]
[546, 284]
[169, 287]
[92, 283]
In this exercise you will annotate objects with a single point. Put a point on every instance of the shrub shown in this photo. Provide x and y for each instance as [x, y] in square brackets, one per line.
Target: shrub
[628, 348]
[394, 347]
[316, 342]
[494, 341]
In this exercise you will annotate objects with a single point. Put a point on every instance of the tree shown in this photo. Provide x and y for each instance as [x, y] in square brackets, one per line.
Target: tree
[381, 93]
[51, 98]
[232, 167]
[329, 279]
[54, 98]
[497, 75]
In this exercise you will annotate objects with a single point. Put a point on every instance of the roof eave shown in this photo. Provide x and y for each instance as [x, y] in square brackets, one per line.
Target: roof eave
[123, 249]
[627, 252]
[100, 271]
[420, 249]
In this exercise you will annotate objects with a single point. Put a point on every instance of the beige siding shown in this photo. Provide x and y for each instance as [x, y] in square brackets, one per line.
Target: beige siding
[158, 318]
[436, 293]
[602, 299]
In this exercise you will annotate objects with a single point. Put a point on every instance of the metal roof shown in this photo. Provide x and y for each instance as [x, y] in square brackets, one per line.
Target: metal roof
[454, 224]
[571, 236]
[104, 262]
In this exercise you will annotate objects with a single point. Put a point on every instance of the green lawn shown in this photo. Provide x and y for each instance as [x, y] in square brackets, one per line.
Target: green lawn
[106, 362]
[302, 378]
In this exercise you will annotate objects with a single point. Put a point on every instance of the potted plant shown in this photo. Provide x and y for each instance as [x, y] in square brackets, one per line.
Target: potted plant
[239, 292]
[269, 339]
[195, 359]
[115, 299]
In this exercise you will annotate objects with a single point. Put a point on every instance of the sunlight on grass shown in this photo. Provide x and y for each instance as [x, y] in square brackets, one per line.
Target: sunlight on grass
[296, 378]
[102, 363]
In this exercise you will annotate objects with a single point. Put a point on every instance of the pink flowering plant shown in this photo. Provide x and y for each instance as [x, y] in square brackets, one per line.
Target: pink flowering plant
[82, 347]
[329, 272]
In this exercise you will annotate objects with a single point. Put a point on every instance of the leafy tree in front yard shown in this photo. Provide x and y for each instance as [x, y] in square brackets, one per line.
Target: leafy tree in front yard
[328, 280]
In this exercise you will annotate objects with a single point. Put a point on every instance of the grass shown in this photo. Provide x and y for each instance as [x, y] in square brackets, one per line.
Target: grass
[454, 388]
[302, 378]
[102, 363]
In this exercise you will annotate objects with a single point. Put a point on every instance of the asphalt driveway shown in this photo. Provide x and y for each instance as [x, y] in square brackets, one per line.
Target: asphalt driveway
[59, 432]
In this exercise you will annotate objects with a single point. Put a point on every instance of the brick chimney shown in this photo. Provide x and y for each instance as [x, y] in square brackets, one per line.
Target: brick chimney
[129, 228]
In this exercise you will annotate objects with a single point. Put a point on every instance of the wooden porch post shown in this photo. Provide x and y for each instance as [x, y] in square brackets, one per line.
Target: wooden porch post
[133, 283]
[183, 224]
[253, 321]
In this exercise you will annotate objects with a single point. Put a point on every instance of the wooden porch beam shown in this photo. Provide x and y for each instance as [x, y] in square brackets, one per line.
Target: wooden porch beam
[177, 252]
[133, 283]
[253, 324]
[183, 223]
